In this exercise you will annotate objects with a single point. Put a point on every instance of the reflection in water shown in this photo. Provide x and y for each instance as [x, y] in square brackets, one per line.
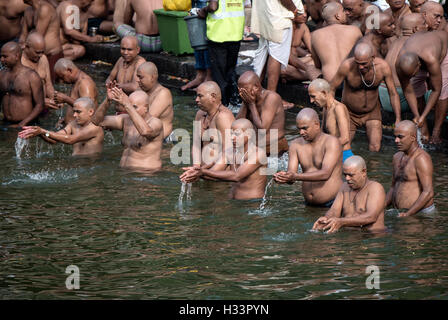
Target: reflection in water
[130, 238]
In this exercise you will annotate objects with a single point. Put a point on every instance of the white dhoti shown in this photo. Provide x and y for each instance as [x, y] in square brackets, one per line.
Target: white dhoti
[278, 51]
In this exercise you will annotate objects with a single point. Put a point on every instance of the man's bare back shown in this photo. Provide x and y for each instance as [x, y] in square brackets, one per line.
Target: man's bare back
[146, 21]
[427, 45]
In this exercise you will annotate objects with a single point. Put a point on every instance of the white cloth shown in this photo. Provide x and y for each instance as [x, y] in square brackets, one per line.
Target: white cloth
[278, 51]
[270, 18]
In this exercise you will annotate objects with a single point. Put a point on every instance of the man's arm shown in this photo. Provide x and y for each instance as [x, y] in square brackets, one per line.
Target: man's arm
[65, 17]
[391, 190]
[435, 77]
[223, 123]
[343, 124]
[147, 130]
[79, 136]
[424, 169]
[37, 92]
[289, 4]
[409, 94]
[268, 112]
[113, 74]
[293, 165]
[340, 76]
[49, 89]
[99, 118]
[393, 94]
[334, 212]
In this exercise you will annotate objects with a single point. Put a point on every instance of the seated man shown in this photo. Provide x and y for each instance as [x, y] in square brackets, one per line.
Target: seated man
[87, 139]
[75, 32]
[21, 91]
[242, 164]
[359, 202]
[265, 110]
[83, 86]
[336, 119]
[320, 157]
[412, 187]
[98, 16]
[142, 133]
[146, 28]
[124, 72]
[34, 58]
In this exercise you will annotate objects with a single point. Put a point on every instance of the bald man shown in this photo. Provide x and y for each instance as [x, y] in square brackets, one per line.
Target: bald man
[21, 91]
[362, 74]
[87, 139]
[320, 157]
[34, 58]
[265, 109]
[356, 11]
[409, 25]
[142, 133]
[72, 33]
[242, 164]
[359, 202]
[336, 35]
[397, 9]
[160, 98]
[434, 16]
[424, 55]
[11, 14]
[82, 86]
[416, 5]
[378, 37]
[412, 187]
[124, 72]
[335, 119]
[43, 19]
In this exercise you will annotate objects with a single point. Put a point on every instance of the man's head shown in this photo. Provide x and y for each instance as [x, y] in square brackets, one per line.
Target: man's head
[387, 25]
[395, 5]
[416, 5]
[84, 4]
[242, 132]
[355, 172]
[66, 70]
[319, 91]
[353, 9]
[333, 12]
[208, 95]
[10, 54]
[147, 75]
[408, 64]
[405, 135]
[412, 23]
[307, 122]
[139, 100]
[364, 57]
[34, 47]
[129, 48]
[83, 110]
[433, 14]
[249, 82]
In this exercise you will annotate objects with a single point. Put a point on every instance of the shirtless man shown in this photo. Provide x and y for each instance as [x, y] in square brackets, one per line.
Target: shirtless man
[21, 92]
[397, 9]
[265, 109]
[356, 11]
[124, 72]
[98, 16]
[422, 54]
[87, 139]
[242, 166]
[73, 33]
[416, 5]
[43, 19]
[378, 37]
[412, 187]
[410, 24]
[336, 35]
[142, 133]
[160, 98]
[11, 14]
[146, 29]
[335, 119]
[320, 157]
[434, 16]
[362, 75]
[34, 58]
[359, 202]
[83, 86]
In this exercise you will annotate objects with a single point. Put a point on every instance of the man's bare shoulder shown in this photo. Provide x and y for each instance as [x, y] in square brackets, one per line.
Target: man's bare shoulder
[200, 114]
[375, 186]
[140, 60]
[273, 99]
[331, 140]
[46, 9]
[297, 143]
[423, 156]
[397, 156]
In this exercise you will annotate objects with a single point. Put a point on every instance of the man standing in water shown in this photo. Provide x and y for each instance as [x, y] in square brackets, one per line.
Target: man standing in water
[142, 133]
[359, 202]
[21, 91]
[412, 187]
[242, 165]
[87, 139]
[320, 157]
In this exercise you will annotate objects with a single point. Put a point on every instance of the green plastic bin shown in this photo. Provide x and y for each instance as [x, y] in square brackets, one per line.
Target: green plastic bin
[173, 31]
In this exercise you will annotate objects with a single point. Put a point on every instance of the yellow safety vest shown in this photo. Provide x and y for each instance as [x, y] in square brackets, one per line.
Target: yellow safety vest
[226, 23]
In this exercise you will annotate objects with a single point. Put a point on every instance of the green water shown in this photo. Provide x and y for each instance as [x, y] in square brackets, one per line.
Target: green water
[132, 239]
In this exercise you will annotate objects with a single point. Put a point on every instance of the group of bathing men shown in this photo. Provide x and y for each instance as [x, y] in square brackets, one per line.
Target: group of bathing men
[144, 112]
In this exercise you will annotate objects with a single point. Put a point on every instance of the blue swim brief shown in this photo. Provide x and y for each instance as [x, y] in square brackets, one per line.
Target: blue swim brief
[346, 154]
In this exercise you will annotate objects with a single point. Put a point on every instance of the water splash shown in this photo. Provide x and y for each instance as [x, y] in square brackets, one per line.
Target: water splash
[185, 192]
[21, 144]
[419, 139]
[267, 197]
